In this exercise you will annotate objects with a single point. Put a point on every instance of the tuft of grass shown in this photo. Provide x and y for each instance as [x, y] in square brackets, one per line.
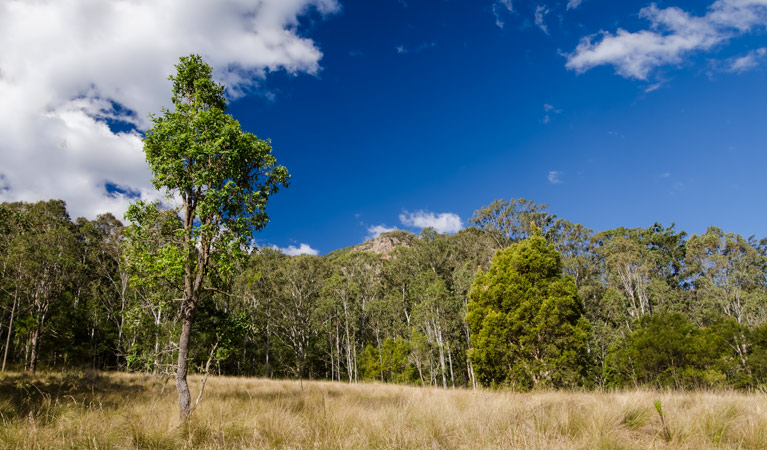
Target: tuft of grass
[117, 410]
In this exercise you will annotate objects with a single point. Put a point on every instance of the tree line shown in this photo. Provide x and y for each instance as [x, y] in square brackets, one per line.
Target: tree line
[520, 298]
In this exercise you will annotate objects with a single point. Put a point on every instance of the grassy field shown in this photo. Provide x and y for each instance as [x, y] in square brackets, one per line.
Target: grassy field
[111, 410]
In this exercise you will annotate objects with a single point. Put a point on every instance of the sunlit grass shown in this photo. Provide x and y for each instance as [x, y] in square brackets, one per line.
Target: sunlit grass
[113, 410]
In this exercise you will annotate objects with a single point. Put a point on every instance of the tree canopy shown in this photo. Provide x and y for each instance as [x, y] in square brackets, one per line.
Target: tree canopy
[223, 177]
[526, 320]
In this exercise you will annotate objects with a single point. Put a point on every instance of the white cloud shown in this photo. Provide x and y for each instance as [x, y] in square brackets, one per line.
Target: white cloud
[499, 6]
[376, 230]
[673, 34]
[572, 4]
[554, 177]
[68, 67]
[401, 49]
[540, 12]
[302, 249]
[747, 62]
[442, 223]
[547, 108]
[653, 87]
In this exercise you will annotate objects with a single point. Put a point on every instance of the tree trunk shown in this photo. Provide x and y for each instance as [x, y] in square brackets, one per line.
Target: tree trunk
[355, 363]
[34, 349]
[266, 362]
[441, 348]
[380, 355]
[338, 353]
[157, 321]
[184, 397]
[10, 328]
[470, 370]
[420, 374]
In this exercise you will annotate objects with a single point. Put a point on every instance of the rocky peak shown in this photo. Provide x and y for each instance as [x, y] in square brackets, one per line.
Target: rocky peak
[385, 243]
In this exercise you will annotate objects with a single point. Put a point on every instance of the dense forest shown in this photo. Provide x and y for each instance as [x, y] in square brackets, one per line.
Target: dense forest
[624, 307]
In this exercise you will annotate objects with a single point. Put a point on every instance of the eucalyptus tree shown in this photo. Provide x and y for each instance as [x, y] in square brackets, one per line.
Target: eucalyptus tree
[260, 286]
[575, 245]
[436, 313]
[108, 275]
[349, 293]
[728, 271]
[509, 221]
[294, 313]
[151, 250]
[221, 175]
[643, 267]
[12, 222]
[49, 262]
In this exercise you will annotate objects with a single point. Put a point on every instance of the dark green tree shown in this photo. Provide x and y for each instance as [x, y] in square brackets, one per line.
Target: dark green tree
[667, 350]
[223, 178]
[526, 320]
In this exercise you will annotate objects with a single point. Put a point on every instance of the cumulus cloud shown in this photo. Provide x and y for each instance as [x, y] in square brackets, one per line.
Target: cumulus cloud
[78, 79]
[572, 4]
[442, 223]
[673, 34]
[376, 230]
[554, 177]
[302, 249]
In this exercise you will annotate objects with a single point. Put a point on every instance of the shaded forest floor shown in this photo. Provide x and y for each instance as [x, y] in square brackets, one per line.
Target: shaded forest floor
[115, 410]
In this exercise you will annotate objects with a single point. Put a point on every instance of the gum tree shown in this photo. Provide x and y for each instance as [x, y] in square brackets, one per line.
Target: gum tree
[221, 175]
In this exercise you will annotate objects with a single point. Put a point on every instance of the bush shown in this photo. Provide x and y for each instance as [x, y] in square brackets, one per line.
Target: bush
[526, 320]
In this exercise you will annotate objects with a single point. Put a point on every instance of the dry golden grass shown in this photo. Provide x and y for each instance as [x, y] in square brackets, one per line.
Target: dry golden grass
[112, 410]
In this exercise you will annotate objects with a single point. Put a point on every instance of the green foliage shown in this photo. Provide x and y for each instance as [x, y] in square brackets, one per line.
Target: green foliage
[514, 220]
[223, 176]
[390, 364]
[526, 320]
[154, 245]
[667, 350]
[370, 363]
[664, 310]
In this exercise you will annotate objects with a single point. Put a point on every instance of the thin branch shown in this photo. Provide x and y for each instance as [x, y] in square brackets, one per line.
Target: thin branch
[205, 378]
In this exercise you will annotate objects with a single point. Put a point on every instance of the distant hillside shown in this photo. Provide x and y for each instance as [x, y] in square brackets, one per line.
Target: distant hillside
[383, 245]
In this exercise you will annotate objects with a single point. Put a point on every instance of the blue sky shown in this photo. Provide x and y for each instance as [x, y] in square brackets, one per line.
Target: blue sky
[402, 113]
[460, 119]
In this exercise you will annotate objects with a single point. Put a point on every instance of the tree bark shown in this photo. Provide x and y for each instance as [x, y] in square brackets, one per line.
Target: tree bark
[184, 397]
[266, 363]
[10, 328]
[34, 348]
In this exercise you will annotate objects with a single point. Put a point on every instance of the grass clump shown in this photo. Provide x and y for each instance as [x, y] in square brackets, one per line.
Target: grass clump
[114, 410]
